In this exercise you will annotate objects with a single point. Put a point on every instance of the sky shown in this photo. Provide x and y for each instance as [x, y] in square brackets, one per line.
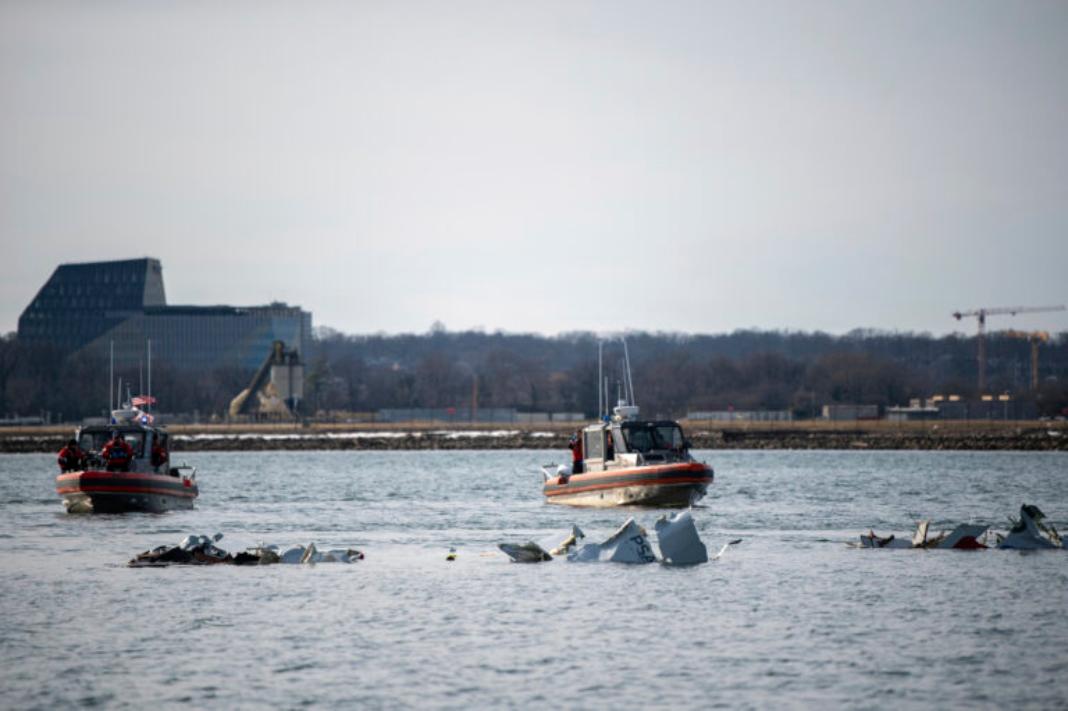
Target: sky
[547, 166]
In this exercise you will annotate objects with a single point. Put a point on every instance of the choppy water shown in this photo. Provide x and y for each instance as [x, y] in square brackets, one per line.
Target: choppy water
[790, 617]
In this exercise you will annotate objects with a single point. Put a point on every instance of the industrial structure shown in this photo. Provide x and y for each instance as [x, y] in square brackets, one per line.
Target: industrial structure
[96, 306]
[1035, 338]
[277, 388]
[981, 315]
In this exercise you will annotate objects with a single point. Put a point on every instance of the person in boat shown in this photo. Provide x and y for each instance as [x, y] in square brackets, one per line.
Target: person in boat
[71, 457]
[575, 445]
[117, 453]
[159, 455]
[609, 447]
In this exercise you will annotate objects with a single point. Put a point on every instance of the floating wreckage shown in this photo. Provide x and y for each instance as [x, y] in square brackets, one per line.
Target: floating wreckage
[201, 550]
[627, 545]
[677, 539]
[1028, 533]
[570, 542]
[963, 537]
[529, 552]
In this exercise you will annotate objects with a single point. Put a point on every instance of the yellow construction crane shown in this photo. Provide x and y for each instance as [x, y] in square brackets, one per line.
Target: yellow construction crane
[981, 314]
[1034, 338]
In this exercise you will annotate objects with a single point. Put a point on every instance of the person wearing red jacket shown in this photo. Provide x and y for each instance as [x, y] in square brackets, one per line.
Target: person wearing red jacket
[117, 453]
[575, 445]
[159, 455]
[71, 457]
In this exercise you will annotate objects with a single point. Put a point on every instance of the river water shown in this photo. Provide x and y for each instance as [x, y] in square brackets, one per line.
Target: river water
[789, 617]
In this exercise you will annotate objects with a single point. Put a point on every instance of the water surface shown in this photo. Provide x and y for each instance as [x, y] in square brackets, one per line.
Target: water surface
[791, 616]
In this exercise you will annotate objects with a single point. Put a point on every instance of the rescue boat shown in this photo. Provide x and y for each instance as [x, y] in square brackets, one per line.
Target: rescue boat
[143, 485]
[627, 461]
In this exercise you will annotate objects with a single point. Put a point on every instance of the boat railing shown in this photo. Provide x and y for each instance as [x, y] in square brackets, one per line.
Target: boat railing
[179, 471]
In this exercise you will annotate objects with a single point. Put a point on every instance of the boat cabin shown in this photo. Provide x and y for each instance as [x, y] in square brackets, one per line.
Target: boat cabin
[141, 438]
[626, 441]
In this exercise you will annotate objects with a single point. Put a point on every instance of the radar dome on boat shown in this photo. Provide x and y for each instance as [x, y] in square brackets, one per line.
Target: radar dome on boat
[120, 416]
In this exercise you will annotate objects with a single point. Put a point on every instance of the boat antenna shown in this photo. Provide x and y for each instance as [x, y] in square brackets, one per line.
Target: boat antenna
[630, 381]
[607, 406]
[111, 381]
[148, 405]
[600, 379]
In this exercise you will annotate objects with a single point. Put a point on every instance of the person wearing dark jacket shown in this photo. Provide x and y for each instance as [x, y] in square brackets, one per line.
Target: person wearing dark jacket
[71, 457]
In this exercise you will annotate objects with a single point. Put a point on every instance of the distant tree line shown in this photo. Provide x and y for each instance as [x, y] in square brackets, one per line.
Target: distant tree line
[673, 373]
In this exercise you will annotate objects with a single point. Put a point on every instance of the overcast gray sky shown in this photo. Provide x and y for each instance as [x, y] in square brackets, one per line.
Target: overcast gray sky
[547, 166]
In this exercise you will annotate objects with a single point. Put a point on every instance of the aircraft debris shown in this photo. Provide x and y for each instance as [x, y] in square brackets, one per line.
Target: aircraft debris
[529, 552]
[1029, 533]
[570, 542]
[678, 540]
[627, 545]
[201, 550]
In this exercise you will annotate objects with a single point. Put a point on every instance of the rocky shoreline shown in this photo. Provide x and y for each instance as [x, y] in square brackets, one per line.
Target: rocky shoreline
[1017, 438]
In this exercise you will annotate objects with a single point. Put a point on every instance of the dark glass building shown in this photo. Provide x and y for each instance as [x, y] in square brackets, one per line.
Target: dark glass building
[94, 305]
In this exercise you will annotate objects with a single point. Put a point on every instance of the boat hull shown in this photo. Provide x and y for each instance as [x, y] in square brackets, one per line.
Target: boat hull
[119, 492]
[664, 486]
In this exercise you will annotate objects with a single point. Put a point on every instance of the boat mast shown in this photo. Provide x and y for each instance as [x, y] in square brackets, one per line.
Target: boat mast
[629, 382]
[600, 379]
[111, 381]
[148, 405]
[603, 406]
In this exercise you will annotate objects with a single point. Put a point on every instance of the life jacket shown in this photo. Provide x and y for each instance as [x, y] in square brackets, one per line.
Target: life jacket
[576, 449]
[118, 452]
[69, 458]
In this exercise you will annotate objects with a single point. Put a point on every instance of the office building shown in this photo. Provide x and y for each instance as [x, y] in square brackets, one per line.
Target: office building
[91, 307]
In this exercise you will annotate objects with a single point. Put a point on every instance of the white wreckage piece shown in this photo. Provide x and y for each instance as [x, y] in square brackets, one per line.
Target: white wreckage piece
[963, 537]
[311, 554]
[570, 542]
[678, 540]
[627, 545]
[1030, 534]
[531, 552]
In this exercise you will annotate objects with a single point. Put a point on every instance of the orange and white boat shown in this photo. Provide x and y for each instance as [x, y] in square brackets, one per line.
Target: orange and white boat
[147, 483]
[623, 460]
[627, 461]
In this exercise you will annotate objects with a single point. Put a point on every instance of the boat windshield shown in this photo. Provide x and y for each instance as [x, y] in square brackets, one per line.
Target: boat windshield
[95, 441]
[648, 436]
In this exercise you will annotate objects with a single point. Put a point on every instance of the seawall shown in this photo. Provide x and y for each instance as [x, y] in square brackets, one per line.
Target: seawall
[977, 436]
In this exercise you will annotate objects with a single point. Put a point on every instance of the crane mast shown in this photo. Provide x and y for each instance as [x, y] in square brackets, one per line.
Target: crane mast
[980, 316]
